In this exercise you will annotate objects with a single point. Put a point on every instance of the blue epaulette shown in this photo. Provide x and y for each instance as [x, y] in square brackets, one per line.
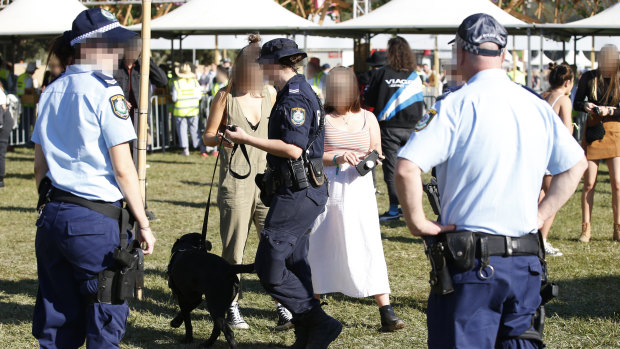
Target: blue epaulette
[532, 91]
[293, 88]
[448, 91]
[106, 80]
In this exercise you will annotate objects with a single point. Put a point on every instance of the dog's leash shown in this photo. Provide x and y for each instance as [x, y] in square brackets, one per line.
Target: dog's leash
[205, 220]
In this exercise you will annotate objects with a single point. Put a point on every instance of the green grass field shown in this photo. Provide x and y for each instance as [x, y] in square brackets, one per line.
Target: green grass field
[586, 315]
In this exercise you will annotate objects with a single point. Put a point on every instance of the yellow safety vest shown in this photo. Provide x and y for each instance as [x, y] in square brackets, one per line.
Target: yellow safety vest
[188, 100]
[21, 84]
[5, 76]
[216, 88]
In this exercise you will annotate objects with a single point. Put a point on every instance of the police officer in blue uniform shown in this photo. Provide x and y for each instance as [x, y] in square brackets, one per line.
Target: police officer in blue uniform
[81, 146]
[295, 150]
[490, 143]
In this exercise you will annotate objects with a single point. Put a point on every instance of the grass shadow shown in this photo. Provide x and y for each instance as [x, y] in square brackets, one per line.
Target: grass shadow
[19, 159]
[400, 238]
[185, 203]
[588, 297]
[200, 184]
[17, 209]
[394, 224]
[171, 162]
[27, 176]
[13, 313]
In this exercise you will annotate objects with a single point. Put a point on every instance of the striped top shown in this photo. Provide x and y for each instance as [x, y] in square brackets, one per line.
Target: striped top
[337, 140]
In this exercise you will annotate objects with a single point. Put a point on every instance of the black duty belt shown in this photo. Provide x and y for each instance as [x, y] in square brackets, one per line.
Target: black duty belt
[121, 215]
[498, 245]
[102, 207]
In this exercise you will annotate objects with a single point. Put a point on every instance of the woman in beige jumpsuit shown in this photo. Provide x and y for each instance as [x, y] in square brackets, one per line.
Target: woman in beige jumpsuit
[246, 103]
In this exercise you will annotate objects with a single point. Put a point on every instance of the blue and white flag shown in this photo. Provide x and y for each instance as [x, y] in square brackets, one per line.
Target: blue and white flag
[410, 91]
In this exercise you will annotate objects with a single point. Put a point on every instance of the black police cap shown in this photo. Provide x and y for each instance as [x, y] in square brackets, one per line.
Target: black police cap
[97, 23]
[377, 59]
[273, 51]
[480, 28]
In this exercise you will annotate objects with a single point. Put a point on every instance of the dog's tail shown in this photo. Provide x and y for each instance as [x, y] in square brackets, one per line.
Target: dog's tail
[243, 268]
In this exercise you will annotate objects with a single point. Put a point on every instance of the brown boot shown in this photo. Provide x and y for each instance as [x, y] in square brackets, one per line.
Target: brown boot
[617, 232]
[585, 232]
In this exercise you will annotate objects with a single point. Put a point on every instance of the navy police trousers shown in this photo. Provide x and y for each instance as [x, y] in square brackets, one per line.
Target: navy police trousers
[282, 254]
[487, 313]
[73, 244]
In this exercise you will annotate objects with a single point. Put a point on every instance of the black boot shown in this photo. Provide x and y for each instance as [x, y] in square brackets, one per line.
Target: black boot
[321, 328]
[301, 337]
[389, 321]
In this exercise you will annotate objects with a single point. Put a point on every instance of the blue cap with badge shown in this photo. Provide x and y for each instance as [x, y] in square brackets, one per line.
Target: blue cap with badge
[480, 28]
[97, 23]
[274, 51]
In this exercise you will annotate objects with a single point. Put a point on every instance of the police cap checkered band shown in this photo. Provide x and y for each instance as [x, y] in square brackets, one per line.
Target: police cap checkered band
[478, 29]
[97, 23]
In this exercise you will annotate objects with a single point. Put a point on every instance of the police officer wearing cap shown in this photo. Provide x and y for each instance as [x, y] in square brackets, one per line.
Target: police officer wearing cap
[295, 150]
[490, 143]
[81, 145]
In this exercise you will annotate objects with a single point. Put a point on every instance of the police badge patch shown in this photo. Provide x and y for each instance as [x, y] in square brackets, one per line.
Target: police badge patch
[119, 107]
[298, 116]
[426, 119]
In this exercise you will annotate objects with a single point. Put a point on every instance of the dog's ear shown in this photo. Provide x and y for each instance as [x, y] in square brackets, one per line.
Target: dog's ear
[208, 245]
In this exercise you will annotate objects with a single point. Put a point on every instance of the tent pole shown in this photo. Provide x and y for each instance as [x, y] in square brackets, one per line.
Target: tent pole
[217, 57]
[564, 50]
[172, 52]
[436, 58]
[575, 50]
[194, 56]
[514, 57]
[306, 51]
[144, 104]
[542, 52]
[592, 55]
[529, 58]
[181, 48]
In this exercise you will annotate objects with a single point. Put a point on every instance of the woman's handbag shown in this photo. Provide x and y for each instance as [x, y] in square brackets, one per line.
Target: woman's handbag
[595, 133]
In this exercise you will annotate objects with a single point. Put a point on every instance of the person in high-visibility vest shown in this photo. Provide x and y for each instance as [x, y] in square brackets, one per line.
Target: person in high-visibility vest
[517, 75]
[6, 76]
[25, 80]
[186, 94]
[220, 81]
[316, 77]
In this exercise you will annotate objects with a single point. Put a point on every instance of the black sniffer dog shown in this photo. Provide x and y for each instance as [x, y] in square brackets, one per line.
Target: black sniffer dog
[194, 272]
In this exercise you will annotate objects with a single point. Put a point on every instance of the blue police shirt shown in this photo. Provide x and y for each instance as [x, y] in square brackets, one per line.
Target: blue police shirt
[491, 142]
[295, 119]
[81, 115]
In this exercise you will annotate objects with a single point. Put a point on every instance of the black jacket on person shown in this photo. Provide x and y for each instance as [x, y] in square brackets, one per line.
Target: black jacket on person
[157, 77]
[383, 83]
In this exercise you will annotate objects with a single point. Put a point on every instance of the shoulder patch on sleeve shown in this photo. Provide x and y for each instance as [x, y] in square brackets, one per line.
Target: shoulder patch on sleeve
[107, 80]
[426, 119]
[298, 116]
[119, 107]
[293, 88]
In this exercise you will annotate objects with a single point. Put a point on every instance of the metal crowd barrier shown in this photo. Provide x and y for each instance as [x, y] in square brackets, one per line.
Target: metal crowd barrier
[25, 123]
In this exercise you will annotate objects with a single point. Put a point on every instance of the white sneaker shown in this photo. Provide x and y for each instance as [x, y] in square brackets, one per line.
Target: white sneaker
[552, 251]
[284, 318]
[234, 318]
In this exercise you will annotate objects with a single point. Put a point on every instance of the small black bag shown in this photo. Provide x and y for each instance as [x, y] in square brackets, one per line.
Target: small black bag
[315, 170]
[461, 249]
[266, 184]
[595, 133]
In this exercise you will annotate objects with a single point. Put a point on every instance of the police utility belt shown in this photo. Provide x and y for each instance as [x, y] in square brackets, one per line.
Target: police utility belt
[461, 248]
[293, 174]
[125, 278]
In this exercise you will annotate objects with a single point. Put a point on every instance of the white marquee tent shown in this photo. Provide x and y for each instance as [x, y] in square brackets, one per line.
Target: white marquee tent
[423, 16]
[38, 18]
[604, 23]
[582, 60]
[228, 17]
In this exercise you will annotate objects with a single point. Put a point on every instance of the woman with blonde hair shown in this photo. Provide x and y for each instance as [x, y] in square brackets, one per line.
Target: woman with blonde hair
[601, 87]
[346, 253]
[245, 102]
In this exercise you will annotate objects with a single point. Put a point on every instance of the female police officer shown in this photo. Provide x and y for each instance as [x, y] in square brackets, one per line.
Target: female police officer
[81, 140]
[295, 139]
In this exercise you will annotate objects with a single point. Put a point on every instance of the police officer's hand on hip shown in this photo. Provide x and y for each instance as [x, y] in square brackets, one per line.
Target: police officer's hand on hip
[87, 262]
[297, 193]
[490, 143]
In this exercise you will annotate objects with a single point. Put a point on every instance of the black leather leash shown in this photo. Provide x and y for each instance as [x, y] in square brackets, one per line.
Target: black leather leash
[205, 220]
[244, 151]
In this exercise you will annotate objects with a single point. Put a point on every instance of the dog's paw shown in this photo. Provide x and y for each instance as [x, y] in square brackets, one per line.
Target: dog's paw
[187, 339]
[176, 322]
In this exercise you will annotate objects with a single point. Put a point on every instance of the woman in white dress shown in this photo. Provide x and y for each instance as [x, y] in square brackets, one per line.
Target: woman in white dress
[346, 252]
